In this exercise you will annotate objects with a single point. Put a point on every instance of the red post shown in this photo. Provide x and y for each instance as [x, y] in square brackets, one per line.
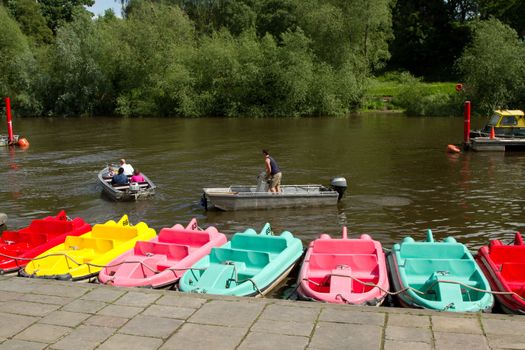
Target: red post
[466, 126]
[9, 119]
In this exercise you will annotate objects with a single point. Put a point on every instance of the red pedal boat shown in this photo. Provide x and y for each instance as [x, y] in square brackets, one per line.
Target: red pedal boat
[42, 234]
[504, 267]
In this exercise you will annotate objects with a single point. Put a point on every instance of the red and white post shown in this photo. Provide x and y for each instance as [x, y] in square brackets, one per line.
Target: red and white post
[466, 125]
[9, 120]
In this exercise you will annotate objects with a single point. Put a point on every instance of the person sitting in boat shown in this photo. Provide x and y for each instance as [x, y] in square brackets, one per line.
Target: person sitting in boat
[120, 178]
[137, 176]
[273, 172]
[128, 169]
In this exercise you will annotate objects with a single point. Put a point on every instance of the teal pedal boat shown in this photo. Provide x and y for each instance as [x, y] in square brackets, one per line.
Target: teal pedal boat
[438, 275]
[250, 264]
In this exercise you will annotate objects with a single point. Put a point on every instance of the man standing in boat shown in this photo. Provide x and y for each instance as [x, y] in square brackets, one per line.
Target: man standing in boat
[273, 172]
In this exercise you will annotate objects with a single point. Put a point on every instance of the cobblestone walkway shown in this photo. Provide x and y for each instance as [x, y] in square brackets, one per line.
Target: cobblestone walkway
[40, 314]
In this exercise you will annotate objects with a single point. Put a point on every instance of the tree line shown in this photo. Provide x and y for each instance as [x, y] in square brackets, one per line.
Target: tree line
[239, 58]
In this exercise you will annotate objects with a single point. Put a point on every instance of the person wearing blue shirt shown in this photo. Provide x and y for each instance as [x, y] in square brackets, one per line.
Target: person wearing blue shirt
[120, 178]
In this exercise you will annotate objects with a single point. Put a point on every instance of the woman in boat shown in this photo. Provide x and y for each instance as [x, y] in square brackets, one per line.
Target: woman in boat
[120, 178]
[137, 176]
[273, 172]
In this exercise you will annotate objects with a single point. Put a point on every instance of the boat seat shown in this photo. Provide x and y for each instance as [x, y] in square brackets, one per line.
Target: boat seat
[507, 253]
[425, 267]
[362, 264]
[187, 237]
[260, 243]
[97, 244]
[513, 272]
[171, 251]
[33, 238]
[339, 246]
[125, 187]
[121, 233]
[252, 259]
[425, 250]
[54, 227]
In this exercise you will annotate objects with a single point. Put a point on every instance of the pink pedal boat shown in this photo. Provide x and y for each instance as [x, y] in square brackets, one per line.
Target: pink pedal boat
[344, 271]
[160, 262]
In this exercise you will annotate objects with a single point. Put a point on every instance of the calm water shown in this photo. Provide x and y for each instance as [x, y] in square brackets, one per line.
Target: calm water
[401, 180]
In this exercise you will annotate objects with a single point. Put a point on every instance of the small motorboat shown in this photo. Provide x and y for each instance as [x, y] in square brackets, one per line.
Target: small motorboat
[344, 271]
[250, 264]
[241, 197]
[18, 247]
[161, 261]
[129, 192]
[82, 257]
[504, 267]
[438, 275]
[506, 124]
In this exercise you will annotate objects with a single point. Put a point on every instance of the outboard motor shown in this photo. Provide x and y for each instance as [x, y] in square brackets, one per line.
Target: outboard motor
[339, 185]
[134, 187]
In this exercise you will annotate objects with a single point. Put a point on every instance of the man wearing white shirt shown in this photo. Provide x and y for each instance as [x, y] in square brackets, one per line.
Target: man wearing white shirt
[128, 169]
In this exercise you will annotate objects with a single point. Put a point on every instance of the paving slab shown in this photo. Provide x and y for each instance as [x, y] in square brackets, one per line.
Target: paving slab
[406, 320]
[447, 341]
[148, 326]
[510, 326]
[290, 313]
[120, 310]
[396, 345]
[444, 323]
[15, 344]
[137, 299]
[180, 299]
[13, 324]
[65, 318]
[199, 336]
[235, 313]
[43, 333]
[131, 342]
[351, 315]
[83, 338]
[28, 308]
[106, 321]
[410, 334]
[63, 289]
[507, 341]
[44, 299]
[283, 327]
[329, 335]
[169, 311]
[105, 294]
[272, 341]
[85, 306]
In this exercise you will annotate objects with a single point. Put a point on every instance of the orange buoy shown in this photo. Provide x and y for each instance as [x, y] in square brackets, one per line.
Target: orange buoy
[453, 149]
[23, 143]
[492, 133]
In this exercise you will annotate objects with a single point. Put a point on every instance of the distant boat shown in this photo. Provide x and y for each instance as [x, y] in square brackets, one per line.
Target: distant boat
[161, 261]
[437, 275]
[18, 247]
[242, 197]
[340, 271]
[506, 124]
[82, 257]
[504, 266]
[129, 192]
[251, 264]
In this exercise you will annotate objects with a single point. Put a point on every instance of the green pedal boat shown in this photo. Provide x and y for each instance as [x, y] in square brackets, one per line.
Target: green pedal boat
[438, 275]
[250, 264]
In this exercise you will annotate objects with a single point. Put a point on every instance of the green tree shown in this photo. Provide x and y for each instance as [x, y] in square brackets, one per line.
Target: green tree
[29, 16]
[493, 66]
[58, 12]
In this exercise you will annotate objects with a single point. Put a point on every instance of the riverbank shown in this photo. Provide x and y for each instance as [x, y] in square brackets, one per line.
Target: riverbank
[38, 314]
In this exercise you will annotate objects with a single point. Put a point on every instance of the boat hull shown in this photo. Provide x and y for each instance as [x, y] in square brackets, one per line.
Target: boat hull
[246, 198]
[338, 271]
[124, 193]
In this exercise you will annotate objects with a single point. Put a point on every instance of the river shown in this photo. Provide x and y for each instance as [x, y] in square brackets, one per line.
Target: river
[401, 180]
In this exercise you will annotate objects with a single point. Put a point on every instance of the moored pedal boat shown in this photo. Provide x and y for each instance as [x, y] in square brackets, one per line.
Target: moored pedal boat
[251, 264]
[438, 275]
[82, 257]
[342, 271]
[161, 261]
[504, 267]
[129, 192]
[18, 247]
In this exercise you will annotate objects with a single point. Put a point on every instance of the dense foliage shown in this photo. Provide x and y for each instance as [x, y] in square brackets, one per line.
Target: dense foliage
[256, 57]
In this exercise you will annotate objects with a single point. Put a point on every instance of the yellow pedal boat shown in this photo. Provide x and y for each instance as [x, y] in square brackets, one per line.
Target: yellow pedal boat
[82, 257]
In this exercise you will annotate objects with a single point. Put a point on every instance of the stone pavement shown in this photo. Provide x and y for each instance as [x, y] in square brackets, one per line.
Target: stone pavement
[40, 314]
